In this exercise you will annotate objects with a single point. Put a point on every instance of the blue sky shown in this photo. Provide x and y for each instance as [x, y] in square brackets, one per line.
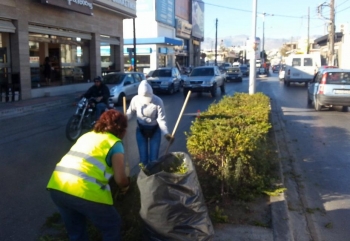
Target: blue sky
[289, 20]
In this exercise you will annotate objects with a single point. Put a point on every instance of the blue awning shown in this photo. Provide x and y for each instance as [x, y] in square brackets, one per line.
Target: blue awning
[159, 40]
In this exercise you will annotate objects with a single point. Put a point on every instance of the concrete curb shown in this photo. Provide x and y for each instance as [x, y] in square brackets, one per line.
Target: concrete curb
[281, 224]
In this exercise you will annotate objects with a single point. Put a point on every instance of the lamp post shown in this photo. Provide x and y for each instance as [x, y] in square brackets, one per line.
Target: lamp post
[252, 68]
[263, 38]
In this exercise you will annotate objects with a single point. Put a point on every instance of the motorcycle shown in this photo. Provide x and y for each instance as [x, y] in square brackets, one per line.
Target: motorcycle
[83, 119]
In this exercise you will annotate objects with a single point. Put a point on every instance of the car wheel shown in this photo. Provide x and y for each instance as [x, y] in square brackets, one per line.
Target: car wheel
[318, 106]
[171, 89]
[222, 88]
[213, 90]
[345, 109]
[120, 99]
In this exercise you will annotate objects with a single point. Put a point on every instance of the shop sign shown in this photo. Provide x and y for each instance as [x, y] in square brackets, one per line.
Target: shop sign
[81, 6]
[138, 50]
[128, 6]
[163, 50]
[165, 12]
[183, 28]
[195, 42]
[34, 60]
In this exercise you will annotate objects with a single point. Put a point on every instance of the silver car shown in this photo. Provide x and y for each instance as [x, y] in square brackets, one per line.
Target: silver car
[205, 79]
[330, 87]
[165, 80]
[122, 84]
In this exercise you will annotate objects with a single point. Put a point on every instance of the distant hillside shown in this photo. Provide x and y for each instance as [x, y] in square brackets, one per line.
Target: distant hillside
[239, 40]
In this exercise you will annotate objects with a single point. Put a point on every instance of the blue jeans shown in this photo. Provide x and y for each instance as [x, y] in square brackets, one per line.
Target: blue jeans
[148, 147]
[75, 211]
[100, 108]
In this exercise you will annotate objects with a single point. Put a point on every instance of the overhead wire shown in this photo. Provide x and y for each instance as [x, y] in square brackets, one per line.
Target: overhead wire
[244, 10]
[341, 3]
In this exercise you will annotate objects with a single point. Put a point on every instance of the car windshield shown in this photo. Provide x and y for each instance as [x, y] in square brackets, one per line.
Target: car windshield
[341, 78]
[202, 72]
[233, 70]
[114, 79]
[162, 73]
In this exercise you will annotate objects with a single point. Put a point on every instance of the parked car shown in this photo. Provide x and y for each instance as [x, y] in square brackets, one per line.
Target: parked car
[244, 69]
[165, 80]
[234, 74]
[122, 84]
[330, 87]
[282, 72]
[276, 68]
[205, 79]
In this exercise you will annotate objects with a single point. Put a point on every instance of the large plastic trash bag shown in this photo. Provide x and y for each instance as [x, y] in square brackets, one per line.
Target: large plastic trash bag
[172, 204]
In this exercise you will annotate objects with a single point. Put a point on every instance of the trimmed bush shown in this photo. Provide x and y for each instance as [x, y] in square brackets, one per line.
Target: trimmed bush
[228, 145]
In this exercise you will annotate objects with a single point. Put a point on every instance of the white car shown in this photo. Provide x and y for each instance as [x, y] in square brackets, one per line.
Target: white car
[122, 84]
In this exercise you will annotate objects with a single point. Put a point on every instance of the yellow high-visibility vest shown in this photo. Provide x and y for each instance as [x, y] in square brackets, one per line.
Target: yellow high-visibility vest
[83, 171]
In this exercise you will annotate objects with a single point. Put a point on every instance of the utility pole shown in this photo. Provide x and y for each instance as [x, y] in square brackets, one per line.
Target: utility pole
[308, 31]
[216, 42]
[252, 61]
[263, 43]
[331, 31]
[133, 23]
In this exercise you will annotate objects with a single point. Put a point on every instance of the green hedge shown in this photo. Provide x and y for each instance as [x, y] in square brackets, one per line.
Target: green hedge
[228, 143]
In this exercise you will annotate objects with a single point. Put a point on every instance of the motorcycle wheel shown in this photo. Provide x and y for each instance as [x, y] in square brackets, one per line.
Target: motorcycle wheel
[73, 130]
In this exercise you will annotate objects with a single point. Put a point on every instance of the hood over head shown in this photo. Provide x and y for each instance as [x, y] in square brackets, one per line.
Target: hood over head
[145, 91]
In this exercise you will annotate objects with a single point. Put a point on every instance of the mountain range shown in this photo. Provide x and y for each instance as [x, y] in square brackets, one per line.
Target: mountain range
[240, 40]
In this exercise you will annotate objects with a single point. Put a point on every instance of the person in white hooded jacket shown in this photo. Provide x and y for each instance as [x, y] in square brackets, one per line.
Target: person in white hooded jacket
[151, 121]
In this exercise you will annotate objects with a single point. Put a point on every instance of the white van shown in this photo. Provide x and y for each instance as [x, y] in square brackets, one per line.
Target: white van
[301, 68]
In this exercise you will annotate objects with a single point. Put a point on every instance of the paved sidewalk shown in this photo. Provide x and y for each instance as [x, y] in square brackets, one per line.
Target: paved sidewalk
[281, 230]
[25, 107]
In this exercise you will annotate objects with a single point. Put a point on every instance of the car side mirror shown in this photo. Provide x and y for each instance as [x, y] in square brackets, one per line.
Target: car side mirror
[127, 83]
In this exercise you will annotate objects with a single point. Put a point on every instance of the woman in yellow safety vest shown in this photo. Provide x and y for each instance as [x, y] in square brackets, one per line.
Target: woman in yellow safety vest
[79, 184]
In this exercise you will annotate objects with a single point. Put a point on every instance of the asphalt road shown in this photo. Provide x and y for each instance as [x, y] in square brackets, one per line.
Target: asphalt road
[319, 143]
[30, 147]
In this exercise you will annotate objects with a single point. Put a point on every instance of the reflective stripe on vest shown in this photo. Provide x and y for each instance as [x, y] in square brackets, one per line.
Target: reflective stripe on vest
[92, 161]
[83, 171]
[83, 176]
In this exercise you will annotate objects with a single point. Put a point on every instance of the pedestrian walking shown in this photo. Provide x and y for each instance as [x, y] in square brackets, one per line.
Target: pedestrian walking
[79, 184]
[151, 122]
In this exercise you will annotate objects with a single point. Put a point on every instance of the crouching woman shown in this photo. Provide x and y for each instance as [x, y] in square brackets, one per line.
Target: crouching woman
[79, 184]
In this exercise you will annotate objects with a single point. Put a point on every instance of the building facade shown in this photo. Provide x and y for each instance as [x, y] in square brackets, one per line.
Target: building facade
[79, 39]
[167, 33]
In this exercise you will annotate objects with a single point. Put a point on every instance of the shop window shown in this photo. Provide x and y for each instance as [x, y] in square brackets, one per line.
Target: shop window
[5, 80]
[107, 58]
[68, 58]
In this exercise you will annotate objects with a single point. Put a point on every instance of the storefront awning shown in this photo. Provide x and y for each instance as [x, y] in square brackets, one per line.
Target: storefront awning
[7, 27]
[160, 40]
[57, 32]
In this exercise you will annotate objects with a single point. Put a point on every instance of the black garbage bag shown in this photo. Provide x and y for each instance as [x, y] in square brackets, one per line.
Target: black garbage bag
[172, 204]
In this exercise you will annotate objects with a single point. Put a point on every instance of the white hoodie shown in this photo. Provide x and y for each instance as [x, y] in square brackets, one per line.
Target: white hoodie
[149, 108]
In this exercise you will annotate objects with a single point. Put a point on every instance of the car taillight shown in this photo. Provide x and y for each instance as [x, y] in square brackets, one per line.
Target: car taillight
[323, 82]
[289, 72]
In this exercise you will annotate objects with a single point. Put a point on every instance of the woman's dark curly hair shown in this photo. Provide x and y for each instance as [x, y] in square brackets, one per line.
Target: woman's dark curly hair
[112, 121]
